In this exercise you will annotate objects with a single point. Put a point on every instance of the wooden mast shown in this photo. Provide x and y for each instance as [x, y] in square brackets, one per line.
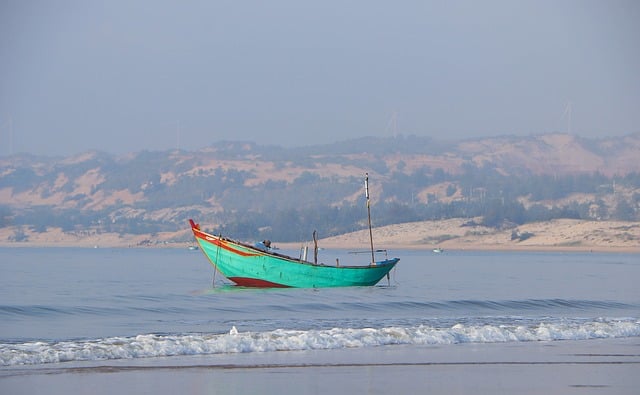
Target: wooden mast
[366, 193]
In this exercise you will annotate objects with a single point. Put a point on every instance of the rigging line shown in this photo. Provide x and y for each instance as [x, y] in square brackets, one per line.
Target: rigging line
[215, 265]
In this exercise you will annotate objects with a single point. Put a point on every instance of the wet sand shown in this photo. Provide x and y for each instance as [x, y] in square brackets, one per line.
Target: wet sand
[561, 367]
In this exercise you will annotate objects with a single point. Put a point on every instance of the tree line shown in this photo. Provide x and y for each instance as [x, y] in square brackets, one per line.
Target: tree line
[290, 211]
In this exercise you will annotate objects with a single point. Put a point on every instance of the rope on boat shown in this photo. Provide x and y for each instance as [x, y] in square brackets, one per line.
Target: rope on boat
[215, 265]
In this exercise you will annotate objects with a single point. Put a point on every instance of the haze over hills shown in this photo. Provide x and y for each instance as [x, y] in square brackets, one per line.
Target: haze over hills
[252, 191]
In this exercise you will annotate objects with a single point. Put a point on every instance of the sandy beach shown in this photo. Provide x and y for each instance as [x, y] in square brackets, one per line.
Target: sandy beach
[452, 234]
[558, 367]
[461, 234]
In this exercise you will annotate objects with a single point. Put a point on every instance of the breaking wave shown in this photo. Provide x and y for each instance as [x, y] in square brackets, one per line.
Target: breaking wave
[158, 345]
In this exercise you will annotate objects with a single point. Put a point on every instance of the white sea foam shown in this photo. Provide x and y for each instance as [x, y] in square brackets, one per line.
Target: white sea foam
[235, 341]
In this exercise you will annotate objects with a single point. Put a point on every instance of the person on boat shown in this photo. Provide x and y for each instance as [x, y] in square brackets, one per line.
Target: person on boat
[264, 245]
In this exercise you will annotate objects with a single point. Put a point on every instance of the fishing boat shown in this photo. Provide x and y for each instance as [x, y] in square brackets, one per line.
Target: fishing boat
[256, 266]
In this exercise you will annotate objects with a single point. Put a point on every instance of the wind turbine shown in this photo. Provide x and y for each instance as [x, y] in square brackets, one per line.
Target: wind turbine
[178, 135]
[567, 114]
[393, 124]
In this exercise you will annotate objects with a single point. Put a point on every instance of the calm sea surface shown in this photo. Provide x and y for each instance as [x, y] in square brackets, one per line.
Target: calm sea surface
[67, 304]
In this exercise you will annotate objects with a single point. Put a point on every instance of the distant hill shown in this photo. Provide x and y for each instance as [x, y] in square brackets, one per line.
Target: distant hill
[250, 191]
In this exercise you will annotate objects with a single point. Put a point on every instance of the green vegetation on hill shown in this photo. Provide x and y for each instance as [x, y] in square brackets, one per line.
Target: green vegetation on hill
[227, 188]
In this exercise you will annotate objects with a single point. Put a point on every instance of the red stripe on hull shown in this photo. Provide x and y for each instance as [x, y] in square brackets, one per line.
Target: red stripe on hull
[220, 243]
[255, 283]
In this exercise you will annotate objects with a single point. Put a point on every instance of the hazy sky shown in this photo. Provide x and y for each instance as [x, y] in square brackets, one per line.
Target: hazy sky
[124, 76]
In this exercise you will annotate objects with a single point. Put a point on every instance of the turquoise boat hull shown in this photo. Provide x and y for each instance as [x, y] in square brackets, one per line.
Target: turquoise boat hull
[248, 266]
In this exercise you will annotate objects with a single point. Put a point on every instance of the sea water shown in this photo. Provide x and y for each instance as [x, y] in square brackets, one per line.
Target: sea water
[60, 305]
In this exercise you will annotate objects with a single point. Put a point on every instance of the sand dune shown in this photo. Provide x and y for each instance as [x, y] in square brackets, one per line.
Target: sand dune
[452, 234]
[561, 234]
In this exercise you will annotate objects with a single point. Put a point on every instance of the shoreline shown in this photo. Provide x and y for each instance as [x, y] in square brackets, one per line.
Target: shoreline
[449, 235]
[288, 246]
